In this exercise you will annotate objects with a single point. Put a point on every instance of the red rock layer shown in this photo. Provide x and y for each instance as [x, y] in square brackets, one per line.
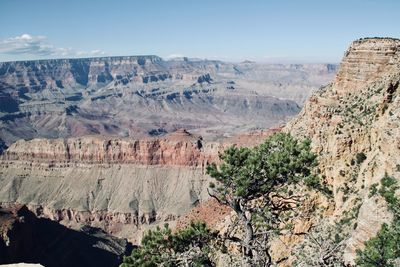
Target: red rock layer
[180, 148]
[210, 212]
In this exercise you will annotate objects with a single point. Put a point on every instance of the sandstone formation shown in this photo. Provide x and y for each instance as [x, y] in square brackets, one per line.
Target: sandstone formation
[141, 96]
[117, 185]
[365, 61]
[121, 185]
[179, 148]
[354, 127]
[127, 184]
[211, 212]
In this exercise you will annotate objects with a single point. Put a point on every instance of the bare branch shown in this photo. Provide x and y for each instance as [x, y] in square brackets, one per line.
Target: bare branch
[217, 198]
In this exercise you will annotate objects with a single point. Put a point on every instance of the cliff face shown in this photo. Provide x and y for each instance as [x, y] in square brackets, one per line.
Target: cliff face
[115, 184]
[57, 74]
[365, 61]
[354, 127]
[179, 148]
[118, 184]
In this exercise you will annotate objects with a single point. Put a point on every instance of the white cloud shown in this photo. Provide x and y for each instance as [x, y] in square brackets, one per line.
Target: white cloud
[38, 46]
[26, 44]
[174, 56]
[97, 52]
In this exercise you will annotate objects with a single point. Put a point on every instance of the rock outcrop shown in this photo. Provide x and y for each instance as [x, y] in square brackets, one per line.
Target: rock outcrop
[365, 61]
[180, 148]
[355, 130]
[26, 238]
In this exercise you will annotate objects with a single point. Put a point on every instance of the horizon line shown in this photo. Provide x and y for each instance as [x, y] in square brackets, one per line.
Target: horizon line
[265, 60]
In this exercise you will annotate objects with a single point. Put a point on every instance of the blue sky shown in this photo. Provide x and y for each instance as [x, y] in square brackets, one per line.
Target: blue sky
[298, 31]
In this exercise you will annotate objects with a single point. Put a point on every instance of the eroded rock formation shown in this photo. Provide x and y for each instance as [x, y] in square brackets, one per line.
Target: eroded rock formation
[354, 127]
[179, 148]
[142, 96]
[365, 61]
[118, 184]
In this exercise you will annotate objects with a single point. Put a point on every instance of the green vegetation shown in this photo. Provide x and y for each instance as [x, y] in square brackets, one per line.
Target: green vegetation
[188, 247]
[360, 157]
[384, 248]
[266, 187]
[258, 184]
[381, 250]
[373, 190]
[388, 191]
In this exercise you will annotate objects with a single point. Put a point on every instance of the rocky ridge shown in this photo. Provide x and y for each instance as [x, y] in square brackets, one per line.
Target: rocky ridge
[179, 148]
[354, 127]
[353, 124]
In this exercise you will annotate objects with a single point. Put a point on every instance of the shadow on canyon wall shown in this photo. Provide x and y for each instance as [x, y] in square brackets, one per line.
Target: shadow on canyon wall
[26, 238]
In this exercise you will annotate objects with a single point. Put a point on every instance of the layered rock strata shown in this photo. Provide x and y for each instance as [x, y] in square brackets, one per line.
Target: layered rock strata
[142, 96]
[118, 184]
[180, 148]
[355, 130]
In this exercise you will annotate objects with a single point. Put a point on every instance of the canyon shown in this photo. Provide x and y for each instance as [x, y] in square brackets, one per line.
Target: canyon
[141, 96]
[121, 185]
[130, 177]
[100, 142]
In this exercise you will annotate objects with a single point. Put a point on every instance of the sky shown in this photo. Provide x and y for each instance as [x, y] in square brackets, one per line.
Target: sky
[230, 30]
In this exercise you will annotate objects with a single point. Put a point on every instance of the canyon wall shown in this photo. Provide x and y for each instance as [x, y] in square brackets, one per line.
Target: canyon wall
[121, 185]
[26, 238]
[179, 148]
[355, 130]
[142, 96]
[115, 184]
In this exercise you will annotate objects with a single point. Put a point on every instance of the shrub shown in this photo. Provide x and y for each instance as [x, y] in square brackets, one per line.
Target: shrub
[380, 250]
[384, 248]
[360, 157]
[188, 246]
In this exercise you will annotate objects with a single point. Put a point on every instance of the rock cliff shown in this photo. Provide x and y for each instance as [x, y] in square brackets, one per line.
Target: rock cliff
[179, 148]
[118, 184]
[354, 127]
[365, 61]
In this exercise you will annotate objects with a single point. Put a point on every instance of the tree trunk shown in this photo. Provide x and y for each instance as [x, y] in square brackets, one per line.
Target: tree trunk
[249, 233]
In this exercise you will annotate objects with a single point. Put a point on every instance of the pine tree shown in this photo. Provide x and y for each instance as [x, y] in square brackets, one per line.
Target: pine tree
[162, 247]
[258, 185]
[384, 248]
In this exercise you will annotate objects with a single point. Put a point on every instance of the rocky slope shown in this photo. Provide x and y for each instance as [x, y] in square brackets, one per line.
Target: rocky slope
[115, 184]
[143, 96]
[25, 238]
[354, 127]
[121, 185]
